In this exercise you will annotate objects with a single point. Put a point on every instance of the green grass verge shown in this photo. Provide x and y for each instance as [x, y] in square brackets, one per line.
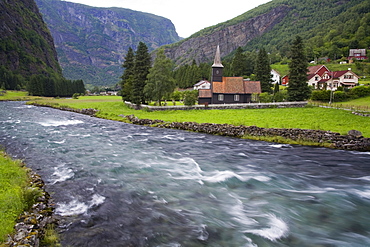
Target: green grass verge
[111, 107]
[13, 181]
[16, 96]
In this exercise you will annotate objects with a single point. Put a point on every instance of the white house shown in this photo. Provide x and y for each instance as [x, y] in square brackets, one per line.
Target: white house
[203, 84]
[275, 77]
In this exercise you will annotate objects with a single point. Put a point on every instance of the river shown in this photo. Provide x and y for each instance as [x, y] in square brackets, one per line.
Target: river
[117, 184]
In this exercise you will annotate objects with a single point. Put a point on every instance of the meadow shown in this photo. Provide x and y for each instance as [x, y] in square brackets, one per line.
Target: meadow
[310, 117]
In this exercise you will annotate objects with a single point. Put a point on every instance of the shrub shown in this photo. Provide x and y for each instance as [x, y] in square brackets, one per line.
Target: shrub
[320, 95]
[360, 91]
[190, 97]
[265, 97]
[340, 96]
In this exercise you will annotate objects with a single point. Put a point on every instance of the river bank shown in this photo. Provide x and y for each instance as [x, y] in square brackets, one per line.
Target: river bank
[35, 225]
[352, 141]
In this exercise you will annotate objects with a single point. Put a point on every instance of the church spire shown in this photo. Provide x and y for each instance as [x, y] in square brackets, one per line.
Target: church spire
[217, 62]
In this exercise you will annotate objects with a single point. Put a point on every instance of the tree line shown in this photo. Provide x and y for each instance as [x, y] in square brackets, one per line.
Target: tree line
[142, 82]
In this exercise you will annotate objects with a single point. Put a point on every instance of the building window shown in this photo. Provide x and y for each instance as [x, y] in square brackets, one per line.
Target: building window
[236, 97]
[220, 97]
[316, 78]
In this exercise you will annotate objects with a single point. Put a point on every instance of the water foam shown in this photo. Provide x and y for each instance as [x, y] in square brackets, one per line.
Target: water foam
[54, 123]
[276, 230]
[61, 174]
[75, 207]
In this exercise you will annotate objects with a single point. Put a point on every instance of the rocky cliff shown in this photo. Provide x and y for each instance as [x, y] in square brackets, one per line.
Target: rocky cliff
[329, 28]
[91, 41]
[202, 48]
[26, 46]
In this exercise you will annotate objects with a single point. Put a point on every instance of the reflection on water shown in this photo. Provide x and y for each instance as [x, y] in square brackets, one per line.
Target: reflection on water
[116, 184]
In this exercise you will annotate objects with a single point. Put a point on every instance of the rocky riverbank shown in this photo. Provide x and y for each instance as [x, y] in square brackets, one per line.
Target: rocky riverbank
[353, 141]
[31, 226]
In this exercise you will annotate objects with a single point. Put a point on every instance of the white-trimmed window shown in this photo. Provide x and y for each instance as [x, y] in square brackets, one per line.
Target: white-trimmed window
[236, 97]
[220, 97]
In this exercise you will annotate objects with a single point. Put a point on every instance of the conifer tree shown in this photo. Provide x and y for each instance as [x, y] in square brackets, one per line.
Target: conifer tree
[263, 71]
[239, 63]
[126, 82]
[160, 82]
[141, 70]
[298, 89]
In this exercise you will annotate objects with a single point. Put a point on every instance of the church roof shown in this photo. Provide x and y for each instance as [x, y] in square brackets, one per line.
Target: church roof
[217, 62]
[236, 85]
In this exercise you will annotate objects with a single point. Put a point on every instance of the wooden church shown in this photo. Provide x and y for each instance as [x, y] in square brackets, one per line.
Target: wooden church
[227, 90]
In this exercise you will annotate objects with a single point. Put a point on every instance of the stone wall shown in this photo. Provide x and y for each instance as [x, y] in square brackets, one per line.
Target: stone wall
[220, 106]
[332, 139]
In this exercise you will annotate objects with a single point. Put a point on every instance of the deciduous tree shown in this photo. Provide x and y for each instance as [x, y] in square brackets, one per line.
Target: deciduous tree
[160, 82]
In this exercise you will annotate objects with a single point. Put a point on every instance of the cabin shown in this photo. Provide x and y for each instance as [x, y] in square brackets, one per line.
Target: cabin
[227, 90]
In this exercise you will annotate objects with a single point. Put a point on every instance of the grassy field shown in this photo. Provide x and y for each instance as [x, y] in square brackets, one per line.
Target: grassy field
[111, 107]
[13, 180]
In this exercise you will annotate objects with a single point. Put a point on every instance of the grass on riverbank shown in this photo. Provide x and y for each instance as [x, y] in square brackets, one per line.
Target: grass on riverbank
[16, 96]
[13, 181]
[111, 107]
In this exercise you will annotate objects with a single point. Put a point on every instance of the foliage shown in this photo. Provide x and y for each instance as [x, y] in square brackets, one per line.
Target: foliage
[239, 63]
[339, 96]
[188, 75]
[298, 89]
[141, 70]
[160, 82]
[263, 71]
[128, 75]
[190, 97]
[41, 85]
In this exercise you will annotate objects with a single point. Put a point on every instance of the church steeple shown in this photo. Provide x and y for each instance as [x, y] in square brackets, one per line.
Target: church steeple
[217, 66]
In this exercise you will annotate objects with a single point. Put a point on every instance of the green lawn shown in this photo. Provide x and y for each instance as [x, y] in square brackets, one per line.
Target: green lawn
[16, 95]
[111, 107]
[13, 181]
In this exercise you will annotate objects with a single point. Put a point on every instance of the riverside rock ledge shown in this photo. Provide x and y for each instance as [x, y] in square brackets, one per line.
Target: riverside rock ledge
[304, 136]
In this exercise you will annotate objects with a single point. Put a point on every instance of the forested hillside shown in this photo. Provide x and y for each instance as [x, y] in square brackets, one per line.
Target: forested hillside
[26, 46]
[91, 41]
[328, 28]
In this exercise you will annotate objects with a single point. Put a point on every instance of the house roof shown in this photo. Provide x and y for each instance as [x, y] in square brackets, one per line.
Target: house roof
[352, 52]
[337, 74]
[274, 71]
[317, 70]
[201, 82]
[236, 85]
[205, 93]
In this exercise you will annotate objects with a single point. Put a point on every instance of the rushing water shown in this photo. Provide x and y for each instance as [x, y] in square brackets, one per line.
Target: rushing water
[116, 184]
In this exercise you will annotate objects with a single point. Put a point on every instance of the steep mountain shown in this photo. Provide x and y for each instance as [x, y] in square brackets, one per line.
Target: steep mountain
[91, 41]
[326, 26]
[26, 46]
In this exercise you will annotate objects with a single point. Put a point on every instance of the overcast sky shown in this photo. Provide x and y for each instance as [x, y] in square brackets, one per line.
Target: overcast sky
[188, 16]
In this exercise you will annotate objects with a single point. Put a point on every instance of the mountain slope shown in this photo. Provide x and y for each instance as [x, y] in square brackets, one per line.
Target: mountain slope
[26, 46]
[272, 26]
[91, 41]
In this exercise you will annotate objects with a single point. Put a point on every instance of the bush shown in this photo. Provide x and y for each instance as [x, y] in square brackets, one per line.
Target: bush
[340, 96]
[320, 95]
[265, 97]
[360, 91]
[190, 97]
